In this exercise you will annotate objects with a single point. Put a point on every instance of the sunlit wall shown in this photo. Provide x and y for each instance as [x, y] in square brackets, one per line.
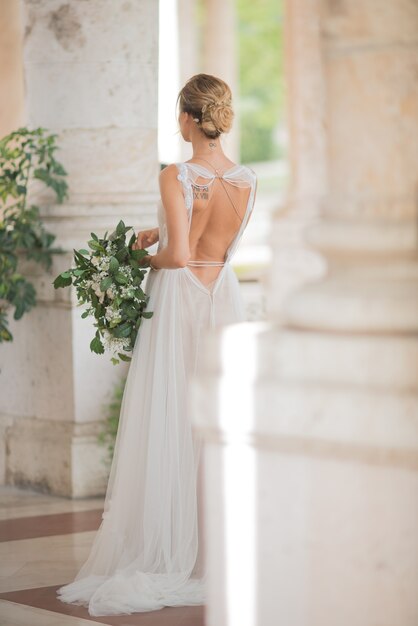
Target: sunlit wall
[168, 83]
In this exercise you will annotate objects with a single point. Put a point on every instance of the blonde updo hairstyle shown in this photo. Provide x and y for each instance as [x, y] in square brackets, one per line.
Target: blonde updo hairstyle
[209, 100]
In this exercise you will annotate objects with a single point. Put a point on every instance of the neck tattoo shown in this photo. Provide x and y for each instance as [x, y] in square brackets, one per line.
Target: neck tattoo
[212, 144]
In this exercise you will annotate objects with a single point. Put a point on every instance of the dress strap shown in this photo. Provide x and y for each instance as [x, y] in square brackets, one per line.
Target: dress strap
[202, 263]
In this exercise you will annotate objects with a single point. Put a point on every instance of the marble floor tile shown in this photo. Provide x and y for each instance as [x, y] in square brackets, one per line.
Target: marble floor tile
[15, 502]
[13, 614]
[42, 561]
[45, 598]
[45, 554]
[47, 525]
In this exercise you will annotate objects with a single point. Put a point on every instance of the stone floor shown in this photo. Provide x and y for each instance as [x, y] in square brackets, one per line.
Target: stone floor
[43, 542]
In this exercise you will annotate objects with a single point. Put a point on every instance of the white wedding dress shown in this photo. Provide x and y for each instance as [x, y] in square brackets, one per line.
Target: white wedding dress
[147, 551]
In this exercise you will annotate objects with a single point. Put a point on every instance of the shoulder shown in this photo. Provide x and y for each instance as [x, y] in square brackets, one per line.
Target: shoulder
[253, 174]
[169, 172]
[173, 177]
[253, 177]
[170, 176]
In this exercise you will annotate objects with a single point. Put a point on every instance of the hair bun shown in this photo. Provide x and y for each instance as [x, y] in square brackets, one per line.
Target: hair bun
[215, 105]
[217, 116]
[208, 99]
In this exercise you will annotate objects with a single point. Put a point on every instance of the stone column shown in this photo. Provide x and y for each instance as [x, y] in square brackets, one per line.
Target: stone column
[189, 54]
[295, 262]
[11, 75]
[91, 76]
[220, 58]
[189, 39]
[311, 424]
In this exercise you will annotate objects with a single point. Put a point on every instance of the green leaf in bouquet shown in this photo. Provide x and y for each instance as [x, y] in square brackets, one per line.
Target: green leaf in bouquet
[124, 357]
[122, 331]
[137, 255]
[147, 314]
[120, 228]
[113, 264]
[138, 291]
[141, 274]
[105, 283]
[79, 272]
[121, 278]
[114, 360]
[60, 281]
[122, 253]
[79, 258]
[96, 346]
[82, 293]
[94, 236]
[84, 315]
[130, 311]
[84, 251]
[66, 274]
[95, 245]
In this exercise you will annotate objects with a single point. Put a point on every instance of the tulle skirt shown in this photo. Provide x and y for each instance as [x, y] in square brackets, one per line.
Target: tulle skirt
[148, 551]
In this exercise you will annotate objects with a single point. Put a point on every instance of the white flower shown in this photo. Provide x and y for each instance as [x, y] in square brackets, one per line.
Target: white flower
[99, 293]
[112, 314]
[126, 292]
[114, 344]
[110, 294]
[126, 270]
[104, 265]
[95, 260]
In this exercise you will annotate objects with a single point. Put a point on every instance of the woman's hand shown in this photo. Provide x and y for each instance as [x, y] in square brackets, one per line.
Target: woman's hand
[146, 238]
[145, 261]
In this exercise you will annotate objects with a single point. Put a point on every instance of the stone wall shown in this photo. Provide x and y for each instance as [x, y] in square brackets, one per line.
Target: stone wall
[90, 72]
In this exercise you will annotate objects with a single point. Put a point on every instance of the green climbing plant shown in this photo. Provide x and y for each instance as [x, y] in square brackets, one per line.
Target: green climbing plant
[25, 156]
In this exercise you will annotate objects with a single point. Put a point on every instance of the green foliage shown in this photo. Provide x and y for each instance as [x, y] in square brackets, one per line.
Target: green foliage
[108, 280]
[261, 98]
[110, 426]
[25, 155]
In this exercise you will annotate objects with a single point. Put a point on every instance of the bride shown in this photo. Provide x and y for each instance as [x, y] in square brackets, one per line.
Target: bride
[147, 553]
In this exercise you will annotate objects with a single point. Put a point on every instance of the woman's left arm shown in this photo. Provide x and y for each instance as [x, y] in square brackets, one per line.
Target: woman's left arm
[177, 252]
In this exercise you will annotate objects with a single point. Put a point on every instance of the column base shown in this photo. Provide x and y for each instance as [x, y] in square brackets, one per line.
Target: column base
[59, 458]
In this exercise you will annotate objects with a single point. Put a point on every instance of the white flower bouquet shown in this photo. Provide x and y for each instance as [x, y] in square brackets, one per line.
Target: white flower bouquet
[108, 280]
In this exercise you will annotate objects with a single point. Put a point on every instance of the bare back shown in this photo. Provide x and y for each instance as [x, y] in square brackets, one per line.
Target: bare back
[219, 203]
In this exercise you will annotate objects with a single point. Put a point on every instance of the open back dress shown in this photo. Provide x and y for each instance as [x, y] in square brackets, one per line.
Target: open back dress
[147, 552]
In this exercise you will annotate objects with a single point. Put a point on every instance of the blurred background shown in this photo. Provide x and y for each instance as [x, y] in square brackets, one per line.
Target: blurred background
[325, 370]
